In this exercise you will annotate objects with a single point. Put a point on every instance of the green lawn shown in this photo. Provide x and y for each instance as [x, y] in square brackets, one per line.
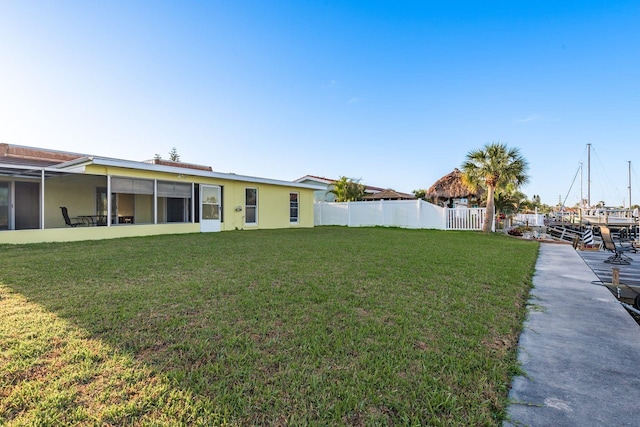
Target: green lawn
[325, 326]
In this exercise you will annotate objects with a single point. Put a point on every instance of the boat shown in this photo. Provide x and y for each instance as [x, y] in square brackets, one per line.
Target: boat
[614, 217]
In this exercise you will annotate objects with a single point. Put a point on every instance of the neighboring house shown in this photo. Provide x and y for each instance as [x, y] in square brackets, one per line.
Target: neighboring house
[389, 194]
[118, 198]
[324, 195]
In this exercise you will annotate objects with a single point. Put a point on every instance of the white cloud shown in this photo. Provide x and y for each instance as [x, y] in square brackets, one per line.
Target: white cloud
[531, 118]
[353, 100]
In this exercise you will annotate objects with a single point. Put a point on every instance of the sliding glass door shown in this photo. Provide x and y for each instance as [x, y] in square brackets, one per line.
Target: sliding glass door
[27, 196]
[4, 205]
[19, 205]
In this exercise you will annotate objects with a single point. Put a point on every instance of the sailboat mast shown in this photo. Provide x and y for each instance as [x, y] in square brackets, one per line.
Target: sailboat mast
[629, 185]
[589, 175]
[581, 193]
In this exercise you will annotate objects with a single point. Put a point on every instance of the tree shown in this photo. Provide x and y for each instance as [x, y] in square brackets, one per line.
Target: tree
[420, 194]
[494, 167]
[509, 201]
[347, 190]
[173, 155]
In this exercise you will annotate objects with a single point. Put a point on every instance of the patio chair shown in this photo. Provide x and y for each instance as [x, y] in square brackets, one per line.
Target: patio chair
[68, 221]
[618, 250]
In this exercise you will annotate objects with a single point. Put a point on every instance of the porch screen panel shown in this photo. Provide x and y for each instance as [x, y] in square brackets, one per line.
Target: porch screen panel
[177, 190]
[4, 205]
[131, 186]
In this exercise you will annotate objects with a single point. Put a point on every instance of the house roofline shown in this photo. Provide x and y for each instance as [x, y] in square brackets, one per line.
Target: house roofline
[76, 163]
[329, 181]
[131, 164]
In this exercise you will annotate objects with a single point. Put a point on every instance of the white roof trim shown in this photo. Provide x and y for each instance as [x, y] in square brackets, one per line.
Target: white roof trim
[130, 164]
[326, 181]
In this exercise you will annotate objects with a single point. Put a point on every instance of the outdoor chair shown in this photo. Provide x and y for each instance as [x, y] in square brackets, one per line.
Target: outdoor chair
[71, 222]
[618, 250]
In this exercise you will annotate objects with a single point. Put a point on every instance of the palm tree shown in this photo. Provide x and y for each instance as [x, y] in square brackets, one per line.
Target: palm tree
[347, 190]
[507, 203]
[494, 167]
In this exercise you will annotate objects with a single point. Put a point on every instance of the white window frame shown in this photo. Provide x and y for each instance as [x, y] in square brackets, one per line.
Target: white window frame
[247, 206]
[297, 207]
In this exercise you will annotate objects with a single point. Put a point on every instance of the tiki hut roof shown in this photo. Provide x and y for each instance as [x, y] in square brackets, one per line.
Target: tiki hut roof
[389, 194]
[451, 186]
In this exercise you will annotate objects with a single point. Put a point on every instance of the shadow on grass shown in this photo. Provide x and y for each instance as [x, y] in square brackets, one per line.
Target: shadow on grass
[329, 325]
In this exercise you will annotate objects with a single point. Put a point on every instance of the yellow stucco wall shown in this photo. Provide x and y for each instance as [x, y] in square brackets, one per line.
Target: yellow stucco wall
[273, 200]
[78, 193]
[94, 233]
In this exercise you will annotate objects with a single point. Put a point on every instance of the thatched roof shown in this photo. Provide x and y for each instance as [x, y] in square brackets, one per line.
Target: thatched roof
[389, 194]
[451, 186]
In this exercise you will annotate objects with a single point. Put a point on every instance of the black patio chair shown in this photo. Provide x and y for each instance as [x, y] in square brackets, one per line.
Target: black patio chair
[76, 222]
[618, 250]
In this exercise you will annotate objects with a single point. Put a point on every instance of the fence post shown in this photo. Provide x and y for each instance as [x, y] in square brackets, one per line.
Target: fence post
[493, 226]
[447, 219]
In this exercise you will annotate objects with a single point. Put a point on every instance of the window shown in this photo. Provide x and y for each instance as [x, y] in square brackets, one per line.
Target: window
[131, 200]
[101, 201]
[174, 201]
[251, 205]
[293, 207]
[131, 185]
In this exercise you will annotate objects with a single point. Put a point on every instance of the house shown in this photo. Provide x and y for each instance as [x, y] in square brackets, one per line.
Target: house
[110, 197]
[450, 191]
[389, 194]
[323, 195]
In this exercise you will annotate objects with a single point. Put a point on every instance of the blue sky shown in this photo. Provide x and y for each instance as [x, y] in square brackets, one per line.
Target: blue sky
[393, 92]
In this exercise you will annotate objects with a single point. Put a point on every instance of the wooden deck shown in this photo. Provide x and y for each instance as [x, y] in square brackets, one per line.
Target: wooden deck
[629, 274]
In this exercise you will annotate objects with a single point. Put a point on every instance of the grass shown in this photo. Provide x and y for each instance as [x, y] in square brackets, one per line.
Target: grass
[325, 326]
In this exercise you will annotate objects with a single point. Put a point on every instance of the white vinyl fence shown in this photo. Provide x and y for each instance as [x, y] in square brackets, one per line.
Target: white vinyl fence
[398, 213]
[533, 220]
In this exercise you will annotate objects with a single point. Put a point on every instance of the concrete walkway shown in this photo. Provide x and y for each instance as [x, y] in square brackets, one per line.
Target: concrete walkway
[579, 350]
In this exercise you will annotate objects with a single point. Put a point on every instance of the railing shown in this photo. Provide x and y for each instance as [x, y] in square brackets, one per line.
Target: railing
[564, 233]
[398, 213]
[607, 216]
[533, 220]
